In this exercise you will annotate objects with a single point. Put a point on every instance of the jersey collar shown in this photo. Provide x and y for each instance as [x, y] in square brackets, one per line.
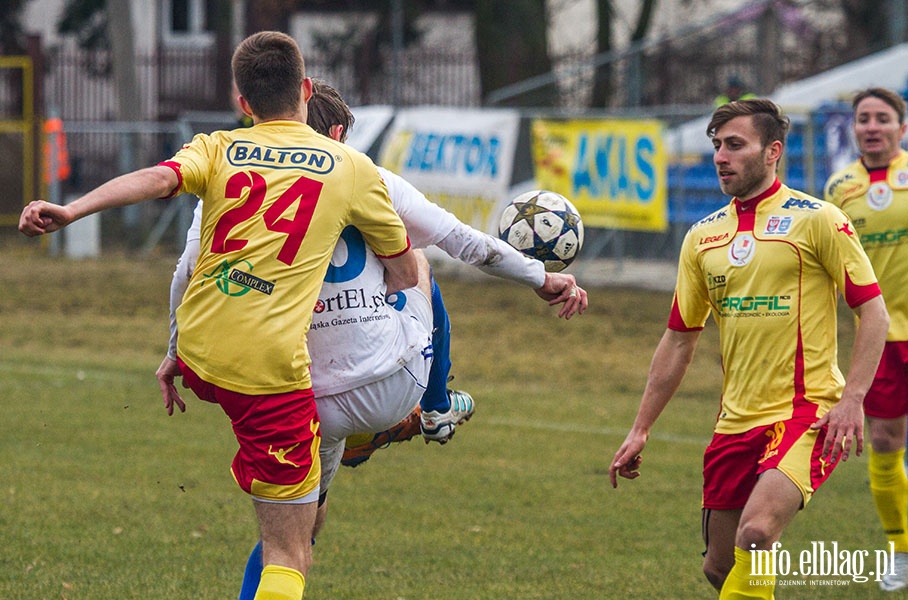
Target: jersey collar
[750, 206]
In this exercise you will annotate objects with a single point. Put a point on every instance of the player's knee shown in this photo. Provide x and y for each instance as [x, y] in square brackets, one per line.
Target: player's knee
[754, 534]
[715, 573]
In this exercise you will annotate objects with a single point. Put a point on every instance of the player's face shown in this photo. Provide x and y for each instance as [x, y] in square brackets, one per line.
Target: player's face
[743, 164]
[877, 131]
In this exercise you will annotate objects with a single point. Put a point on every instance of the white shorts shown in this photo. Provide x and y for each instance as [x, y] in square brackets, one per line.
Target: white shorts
[379, 405]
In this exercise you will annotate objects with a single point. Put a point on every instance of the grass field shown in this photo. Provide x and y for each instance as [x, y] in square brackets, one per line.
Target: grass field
[105, 497]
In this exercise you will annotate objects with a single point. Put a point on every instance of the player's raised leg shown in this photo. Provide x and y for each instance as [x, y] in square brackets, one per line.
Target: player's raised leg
[442, 409]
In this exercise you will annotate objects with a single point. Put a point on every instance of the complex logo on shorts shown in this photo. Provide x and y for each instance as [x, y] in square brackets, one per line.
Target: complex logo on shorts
[742, 249]
[778, 225]
[234, 282]
[879, 196]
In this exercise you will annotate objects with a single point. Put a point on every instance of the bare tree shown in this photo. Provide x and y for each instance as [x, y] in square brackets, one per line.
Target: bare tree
[511, 46]
[11, 34]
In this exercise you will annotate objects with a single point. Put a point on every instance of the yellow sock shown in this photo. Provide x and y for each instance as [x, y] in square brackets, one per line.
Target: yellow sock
[280, 583]
[889, 487]
[742, 585]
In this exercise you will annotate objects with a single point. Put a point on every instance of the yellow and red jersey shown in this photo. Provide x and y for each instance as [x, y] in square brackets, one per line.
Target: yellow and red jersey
[768, 270]
[876, 200]
[276, 198]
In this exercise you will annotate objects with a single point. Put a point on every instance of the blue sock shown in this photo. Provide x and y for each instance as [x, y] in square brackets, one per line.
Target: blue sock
[436, 394]
[253, 573]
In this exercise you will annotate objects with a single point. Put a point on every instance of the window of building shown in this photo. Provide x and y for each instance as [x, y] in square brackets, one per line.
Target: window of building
[186, 21]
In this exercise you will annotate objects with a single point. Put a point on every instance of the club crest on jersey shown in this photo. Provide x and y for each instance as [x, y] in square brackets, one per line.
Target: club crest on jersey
[778, 225]
[879, 196]
[901, 178]
[741, 250]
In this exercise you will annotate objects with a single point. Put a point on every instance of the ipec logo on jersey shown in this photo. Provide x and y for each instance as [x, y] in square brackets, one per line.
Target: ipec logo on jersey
[879, 196]
[741, 250]
[804, 203]
[247, 154]
[778, 225]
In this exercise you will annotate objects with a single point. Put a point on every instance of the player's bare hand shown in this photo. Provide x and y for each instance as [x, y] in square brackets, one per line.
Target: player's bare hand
[844, 430]
[40, 217]
[561, 288]
[166, 374]
[627, 460]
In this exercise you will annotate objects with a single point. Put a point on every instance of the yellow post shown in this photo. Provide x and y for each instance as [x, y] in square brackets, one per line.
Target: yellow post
[25, 127]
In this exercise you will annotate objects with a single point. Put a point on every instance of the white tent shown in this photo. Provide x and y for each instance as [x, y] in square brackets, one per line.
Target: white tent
[888, 68]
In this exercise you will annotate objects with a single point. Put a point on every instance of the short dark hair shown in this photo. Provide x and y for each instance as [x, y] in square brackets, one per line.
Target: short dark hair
[269, 70]
[886, 95]
[768, 118]
[327, 108]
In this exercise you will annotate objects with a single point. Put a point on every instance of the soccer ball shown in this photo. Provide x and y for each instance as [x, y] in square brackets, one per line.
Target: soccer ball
[543, 225]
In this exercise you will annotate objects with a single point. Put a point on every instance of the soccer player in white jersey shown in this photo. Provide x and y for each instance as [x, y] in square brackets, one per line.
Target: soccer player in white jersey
[277, 195]
[769, 268]
[873, 190]
[357, 379]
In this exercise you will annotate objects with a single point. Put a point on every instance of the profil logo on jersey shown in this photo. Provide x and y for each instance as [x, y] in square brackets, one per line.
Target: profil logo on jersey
[778, 225]
[742, 249]
[244, 153]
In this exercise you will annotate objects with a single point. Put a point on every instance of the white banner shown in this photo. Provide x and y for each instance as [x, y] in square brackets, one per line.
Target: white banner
[460, 159]
[369, 122]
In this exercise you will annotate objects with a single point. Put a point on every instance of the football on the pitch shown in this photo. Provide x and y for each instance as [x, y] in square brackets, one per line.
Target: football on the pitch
[543, 225]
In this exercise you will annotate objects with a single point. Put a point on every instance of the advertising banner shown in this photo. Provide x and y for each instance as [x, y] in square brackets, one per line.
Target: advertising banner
[613, 170]
[460, 159]
[369, 122]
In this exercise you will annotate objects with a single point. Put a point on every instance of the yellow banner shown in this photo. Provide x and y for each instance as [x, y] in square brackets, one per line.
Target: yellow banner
[613, 170]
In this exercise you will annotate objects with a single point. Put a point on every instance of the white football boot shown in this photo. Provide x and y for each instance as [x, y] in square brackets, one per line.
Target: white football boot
[896, 578]
[439, 427]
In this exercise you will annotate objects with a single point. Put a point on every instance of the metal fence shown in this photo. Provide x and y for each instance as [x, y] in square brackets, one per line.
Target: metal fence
[817, 145]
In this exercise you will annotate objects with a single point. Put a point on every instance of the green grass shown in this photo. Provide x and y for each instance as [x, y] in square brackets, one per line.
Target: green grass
[105, 497]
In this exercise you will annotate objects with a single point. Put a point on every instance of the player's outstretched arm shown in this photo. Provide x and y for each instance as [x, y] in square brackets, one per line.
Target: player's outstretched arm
[845, 420]
[169, 370]
[401, 272]
[561, 288]
[166, 374]
[670, 362]
[40, 217]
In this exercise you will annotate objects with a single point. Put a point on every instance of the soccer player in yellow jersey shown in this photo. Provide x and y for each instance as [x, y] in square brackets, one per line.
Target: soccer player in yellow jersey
[277, 196]
[873, 190]
[768, 267]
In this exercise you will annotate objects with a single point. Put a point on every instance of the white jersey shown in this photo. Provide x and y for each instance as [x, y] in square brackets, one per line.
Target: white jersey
[355, 337]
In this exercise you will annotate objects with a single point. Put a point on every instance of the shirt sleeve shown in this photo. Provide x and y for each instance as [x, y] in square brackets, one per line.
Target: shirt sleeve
[839, 249]
[690, 305]
[373, 214]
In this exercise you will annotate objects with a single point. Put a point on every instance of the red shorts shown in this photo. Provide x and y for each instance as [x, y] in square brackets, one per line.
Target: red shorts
[733, 462]
[888, 395]
[278, 437]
